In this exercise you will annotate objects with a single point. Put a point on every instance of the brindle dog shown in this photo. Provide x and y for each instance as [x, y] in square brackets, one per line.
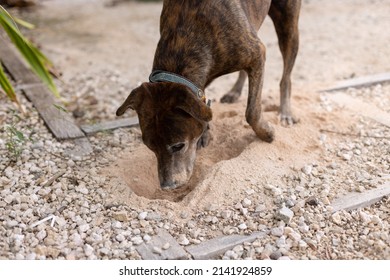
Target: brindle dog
[200, 41]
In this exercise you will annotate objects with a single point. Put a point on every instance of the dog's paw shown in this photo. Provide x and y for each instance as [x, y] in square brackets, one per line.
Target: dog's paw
[288, 120]
[230, 97]
[265, 131]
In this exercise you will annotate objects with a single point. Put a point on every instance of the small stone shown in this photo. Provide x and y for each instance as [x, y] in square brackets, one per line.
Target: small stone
[250, 191]
[307, 169]
[121, 216]
[285, 214]
[182, 240]
[120, 238]
[278, 231]
[12, 223]
[336, 218]
[8, 199]
[142, 215]
[242, 226]
[284, 258]
[157, 250]
[116, 224]
[302, 244]
[41, 234]
[275, 255]
[238, 249]
[226, 214]
[184, 215]
[147, 238]
[191, 224]
[166, 246]
[77, 239]
[83, 228]
[376, 220]
[211, 207]
[312, 201]
[303, 228]
[88, 250]
[281, 242]
[346, 156]
[260, 208]
[295, 236]
[137, 240]
[246, 202]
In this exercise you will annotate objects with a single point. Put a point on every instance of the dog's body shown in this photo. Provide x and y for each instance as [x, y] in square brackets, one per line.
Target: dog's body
[200, 41]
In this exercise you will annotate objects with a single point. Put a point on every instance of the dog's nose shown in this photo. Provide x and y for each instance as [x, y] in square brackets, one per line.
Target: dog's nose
[168, 185]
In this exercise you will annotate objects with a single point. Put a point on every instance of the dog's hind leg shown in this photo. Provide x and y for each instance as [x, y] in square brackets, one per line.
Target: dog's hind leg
[236, 90]
[285, 15]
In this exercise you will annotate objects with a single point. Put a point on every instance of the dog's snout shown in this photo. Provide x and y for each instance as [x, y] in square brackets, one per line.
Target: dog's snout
[168, 185]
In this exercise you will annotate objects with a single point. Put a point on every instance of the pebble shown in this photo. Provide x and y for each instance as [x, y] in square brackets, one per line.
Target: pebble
[295, 236]
[242, 226]
[121, 216]
[226, 214]
[41, 234]
[307, 169]
[278, 231]
[166, 246]
[157, 250]
[137, 240]
[285, 214]
[142, 215]
[275, 255]
[88, 250]
[246, 202]
[147, 238]
[83, 228]
[336, 218]
[182, 240]
[120, 238]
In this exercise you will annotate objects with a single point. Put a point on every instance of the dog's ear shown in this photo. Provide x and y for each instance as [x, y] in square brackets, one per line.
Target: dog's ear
[134, 100]
[192, 105]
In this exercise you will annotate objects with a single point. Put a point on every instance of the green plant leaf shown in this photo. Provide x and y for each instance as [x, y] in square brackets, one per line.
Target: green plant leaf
[60, 108]
[33, 56]
[24, 23]
[6, 85]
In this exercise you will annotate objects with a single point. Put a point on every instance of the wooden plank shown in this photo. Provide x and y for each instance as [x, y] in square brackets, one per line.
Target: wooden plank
[82, 147]
[215, 247]
[58, 121]
[109, 125]
[360, 82]
[356, 200]
[360, 107]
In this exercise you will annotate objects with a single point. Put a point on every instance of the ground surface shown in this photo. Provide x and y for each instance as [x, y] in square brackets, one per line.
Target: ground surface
[239, 183]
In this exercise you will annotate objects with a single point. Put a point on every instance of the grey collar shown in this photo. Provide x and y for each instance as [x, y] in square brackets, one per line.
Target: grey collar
[164, 76]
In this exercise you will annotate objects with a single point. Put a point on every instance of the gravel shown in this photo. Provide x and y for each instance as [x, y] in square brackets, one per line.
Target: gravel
[300, 223]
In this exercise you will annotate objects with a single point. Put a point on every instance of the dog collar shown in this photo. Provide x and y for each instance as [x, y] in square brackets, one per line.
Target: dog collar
[164, 76]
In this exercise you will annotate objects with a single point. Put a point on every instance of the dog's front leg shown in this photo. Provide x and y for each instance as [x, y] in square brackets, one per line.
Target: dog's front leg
[263, 129]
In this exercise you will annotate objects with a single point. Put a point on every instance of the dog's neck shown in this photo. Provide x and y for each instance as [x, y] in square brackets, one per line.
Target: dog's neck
[197, 74]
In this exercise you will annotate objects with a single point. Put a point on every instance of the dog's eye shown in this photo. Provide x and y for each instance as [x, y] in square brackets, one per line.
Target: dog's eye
[177, 147]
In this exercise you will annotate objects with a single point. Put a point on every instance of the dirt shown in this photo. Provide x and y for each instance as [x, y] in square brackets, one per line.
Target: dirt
[339, 40]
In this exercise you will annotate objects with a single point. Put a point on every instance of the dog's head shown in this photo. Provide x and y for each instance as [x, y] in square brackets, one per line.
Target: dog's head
[172, 120]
